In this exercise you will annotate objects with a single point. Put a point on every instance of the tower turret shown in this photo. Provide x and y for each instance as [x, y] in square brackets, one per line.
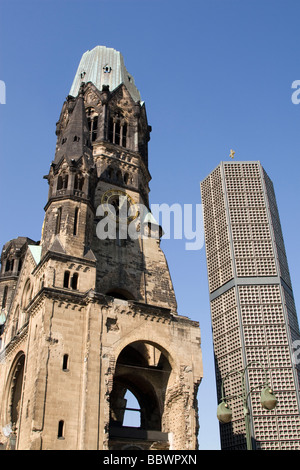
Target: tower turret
[73, 136]
[69, 210]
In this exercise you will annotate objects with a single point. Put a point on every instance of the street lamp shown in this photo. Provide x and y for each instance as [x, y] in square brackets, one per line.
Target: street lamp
[267, 399]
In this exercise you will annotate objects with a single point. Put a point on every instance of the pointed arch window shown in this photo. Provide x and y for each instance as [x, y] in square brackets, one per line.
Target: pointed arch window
[62, 182]
[27, 294]
[132, 410]
[58, 220]
[126, 178]
[79, 180]
[4, 298]
[117, 131]
[76, 218]
[9, 265]
[110, 173]
[119, 176]
[59, 183]
[15, 327]
[124, 135]
[20, 265]
[92, 119]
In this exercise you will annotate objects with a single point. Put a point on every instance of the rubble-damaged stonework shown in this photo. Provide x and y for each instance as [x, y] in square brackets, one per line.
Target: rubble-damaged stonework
[89, 319]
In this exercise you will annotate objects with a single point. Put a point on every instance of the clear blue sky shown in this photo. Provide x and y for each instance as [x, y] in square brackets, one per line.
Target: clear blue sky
[215, 75]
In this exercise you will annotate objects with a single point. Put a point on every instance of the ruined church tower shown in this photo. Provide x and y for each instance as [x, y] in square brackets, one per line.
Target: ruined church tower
[89, 314]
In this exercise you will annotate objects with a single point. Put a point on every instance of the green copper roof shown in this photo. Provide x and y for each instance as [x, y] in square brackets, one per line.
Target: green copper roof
[2, 317]
[104, 66]
[36, 251]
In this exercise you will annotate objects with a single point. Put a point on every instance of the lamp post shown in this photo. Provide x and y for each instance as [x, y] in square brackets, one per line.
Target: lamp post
[267, 399]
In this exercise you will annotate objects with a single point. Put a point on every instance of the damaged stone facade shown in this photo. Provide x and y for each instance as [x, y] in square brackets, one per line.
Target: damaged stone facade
[89, 319]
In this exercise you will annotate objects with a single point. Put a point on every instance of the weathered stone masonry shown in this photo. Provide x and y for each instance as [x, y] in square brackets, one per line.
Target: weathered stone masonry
[87, 319]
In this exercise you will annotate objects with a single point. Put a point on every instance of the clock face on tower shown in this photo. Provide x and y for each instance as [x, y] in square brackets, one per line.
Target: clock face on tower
[117, 203]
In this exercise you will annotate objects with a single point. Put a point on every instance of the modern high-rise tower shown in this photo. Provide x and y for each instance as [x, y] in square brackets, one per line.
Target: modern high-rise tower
[90, 311]
[254, 320]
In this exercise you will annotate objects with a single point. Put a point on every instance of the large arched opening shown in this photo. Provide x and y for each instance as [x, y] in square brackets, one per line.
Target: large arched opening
[14, 393]
[137, 398]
